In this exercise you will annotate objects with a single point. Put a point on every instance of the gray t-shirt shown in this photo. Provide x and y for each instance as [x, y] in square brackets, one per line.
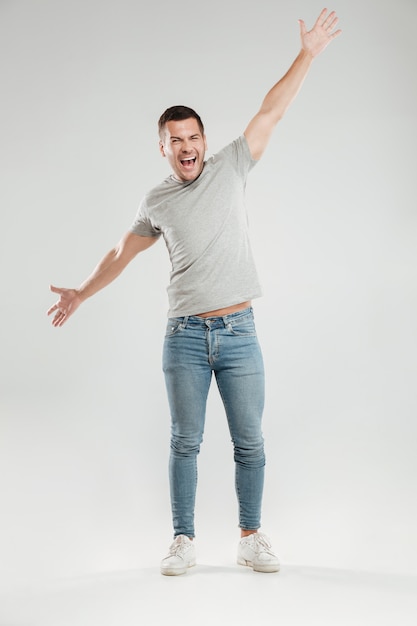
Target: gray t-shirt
[205, 227]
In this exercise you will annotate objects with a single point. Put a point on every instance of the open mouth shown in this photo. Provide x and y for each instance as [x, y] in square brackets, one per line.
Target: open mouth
[188, 163]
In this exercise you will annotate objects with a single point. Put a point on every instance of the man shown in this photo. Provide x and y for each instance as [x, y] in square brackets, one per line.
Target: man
[200, 212]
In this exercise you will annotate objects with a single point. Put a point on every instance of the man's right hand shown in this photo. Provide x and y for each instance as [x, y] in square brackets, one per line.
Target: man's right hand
[68, 303]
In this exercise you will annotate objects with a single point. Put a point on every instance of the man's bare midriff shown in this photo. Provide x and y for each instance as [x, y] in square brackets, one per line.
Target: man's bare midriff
[227, 310]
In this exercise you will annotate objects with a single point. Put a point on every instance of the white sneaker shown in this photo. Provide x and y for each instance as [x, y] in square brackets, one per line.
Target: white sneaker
[181, 556]
[255, 551]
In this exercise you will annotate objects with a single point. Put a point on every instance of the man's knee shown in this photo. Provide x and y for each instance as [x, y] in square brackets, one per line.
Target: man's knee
[252, 457]
[185, 446]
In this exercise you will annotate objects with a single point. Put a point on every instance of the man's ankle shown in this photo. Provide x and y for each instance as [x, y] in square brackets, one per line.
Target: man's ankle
[246, 533]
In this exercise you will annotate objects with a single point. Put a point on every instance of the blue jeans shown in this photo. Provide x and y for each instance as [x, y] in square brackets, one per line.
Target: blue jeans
[194, 348]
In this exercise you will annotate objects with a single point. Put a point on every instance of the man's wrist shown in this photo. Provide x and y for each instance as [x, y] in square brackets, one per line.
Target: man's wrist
[306, 56]
[81, 294]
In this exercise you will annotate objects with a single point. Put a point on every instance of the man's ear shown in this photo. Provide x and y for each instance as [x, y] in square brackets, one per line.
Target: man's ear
[161, 149]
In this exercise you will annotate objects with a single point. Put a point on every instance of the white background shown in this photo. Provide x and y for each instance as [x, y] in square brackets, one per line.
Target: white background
[84, 421]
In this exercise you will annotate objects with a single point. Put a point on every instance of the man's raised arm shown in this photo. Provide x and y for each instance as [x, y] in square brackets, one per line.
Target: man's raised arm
[111, 265]
[279, 98]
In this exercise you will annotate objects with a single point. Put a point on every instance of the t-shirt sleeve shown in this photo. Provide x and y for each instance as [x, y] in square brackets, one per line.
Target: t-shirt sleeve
[142, 224]
[240, 155]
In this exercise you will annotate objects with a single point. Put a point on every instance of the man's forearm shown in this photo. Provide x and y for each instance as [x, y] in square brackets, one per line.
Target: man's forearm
[279, 98]
[275, 104]
[113, 263]
[103, 274]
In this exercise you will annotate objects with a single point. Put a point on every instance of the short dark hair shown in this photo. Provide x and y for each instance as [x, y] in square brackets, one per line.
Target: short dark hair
[176, 113]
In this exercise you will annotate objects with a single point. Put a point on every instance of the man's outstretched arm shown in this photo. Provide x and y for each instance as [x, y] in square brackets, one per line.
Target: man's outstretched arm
[111, 265]
[279, 98]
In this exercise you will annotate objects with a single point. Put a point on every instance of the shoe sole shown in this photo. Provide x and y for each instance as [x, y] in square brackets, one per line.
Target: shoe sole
[177, 572]
[265, 569]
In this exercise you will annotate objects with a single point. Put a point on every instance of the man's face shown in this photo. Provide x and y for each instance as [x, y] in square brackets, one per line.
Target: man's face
[184, 146]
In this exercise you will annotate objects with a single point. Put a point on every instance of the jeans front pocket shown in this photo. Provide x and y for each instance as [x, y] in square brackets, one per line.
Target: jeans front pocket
[244, 327]
[174, 326]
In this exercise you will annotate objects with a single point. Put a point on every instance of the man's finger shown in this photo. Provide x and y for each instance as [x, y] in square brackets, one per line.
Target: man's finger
[333, 23]
[62, 319]
[321, 18]
[303, 28]
[56, 289]
[336, 34]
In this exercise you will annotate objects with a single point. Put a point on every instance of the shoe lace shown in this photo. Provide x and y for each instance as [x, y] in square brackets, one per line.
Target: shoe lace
[262, 543]
[178, 546]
